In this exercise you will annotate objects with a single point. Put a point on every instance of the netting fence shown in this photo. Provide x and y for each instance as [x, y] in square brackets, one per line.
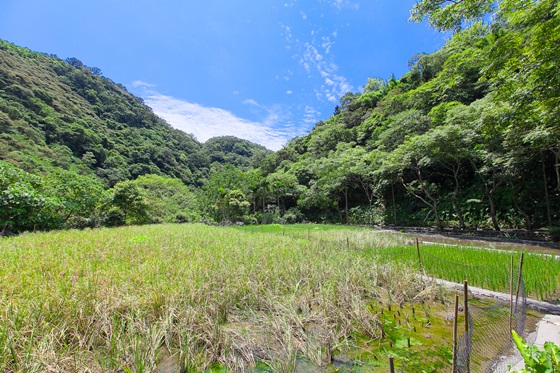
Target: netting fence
[484, 342]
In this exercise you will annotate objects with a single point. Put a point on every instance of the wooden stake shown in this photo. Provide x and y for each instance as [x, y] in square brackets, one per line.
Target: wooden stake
[455, 334]
[391, 364]
[466, 304]
[511, 298]
[418, 251]
[519, 279]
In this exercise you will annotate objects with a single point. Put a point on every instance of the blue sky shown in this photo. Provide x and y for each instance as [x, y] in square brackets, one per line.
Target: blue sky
[264, 70]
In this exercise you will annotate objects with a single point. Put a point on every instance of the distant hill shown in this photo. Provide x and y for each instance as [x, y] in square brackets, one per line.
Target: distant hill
[63, 114]
[235, 151]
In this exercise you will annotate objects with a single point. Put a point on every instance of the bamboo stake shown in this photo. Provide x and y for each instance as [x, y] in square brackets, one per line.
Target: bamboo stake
[466, 304]
[519, 279]
[418, 251]
[511, 297]
[453, 368]
[391, 364]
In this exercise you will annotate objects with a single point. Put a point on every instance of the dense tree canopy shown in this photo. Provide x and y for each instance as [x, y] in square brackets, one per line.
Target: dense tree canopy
[469, 137]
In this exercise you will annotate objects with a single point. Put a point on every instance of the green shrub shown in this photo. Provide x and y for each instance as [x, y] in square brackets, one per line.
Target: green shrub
[545, 360]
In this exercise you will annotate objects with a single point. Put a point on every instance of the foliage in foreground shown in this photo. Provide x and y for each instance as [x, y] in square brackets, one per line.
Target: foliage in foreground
[545, 360]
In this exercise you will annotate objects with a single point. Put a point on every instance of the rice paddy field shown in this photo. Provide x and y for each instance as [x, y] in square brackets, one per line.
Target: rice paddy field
[198, 298]
[484, 267]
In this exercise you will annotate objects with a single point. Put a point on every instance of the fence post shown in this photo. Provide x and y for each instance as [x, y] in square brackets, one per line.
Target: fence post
[466, 306]
[511, 298]
[519, 279]
[418, 251]
[391, 364]
[454, 366]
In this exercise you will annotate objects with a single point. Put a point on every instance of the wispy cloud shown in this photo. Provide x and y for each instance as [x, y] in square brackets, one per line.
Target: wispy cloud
[339, 4]
[314, 54]
[310, 116]
[142, 84]
[273, 131]
[334, 85]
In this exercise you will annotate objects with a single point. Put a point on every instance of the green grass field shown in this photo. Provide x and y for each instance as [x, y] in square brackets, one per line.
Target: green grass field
[206, 298]
[489, 269]
[128, 298]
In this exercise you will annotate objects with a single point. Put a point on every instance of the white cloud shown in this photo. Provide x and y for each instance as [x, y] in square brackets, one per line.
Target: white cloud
[312, 59]
[250, 101]
[273, 131]
[289, 92]
[310, 116]
[142, 84]
[339, 4]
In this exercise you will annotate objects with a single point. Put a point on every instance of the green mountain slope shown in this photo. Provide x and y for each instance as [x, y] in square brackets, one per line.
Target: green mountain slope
[469, 137]
[63, 114]
[235, 151]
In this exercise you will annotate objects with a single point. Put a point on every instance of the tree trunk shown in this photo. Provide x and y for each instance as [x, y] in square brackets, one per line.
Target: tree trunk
[346, 204]
[438, 220]
[526, 217]
[454, 198]
[370, 200]
[433, 204]
[490, 195]
[557, 168]
[339, 212]
[548, 214]
[394, 207]
[369, 195]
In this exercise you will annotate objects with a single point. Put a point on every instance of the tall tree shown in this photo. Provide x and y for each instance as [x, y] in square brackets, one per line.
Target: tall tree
[446, 15]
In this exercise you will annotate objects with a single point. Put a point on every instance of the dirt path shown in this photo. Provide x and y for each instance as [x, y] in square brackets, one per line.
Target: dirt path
[543, 307]
[548, 330]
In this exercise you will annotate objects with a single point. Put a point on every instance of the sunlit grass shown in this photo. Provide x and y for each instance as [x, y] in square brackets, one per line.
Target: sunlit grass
[127, 298]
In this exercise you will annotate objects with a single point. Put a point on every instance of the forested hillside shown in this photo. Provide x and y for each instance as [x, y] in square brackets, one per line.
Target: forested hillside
[468, 138]
[72, 133]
